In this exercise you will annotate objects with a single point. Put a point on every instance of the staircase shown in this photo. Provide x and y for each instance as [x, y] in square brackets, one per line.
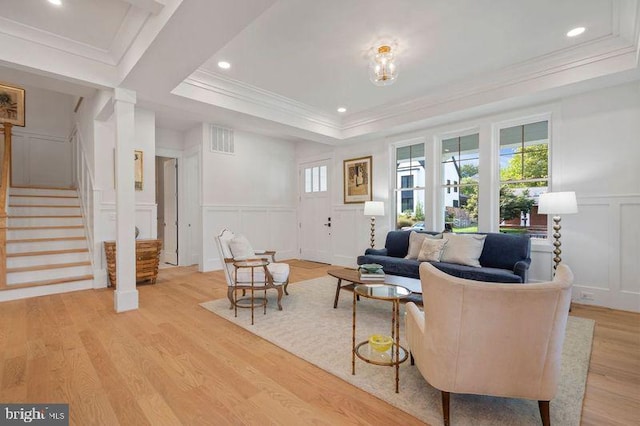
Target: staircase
[46, 241]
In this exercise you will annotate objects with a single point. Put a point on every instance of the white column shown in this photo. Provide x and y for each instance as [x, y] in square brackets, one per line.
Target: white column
[126, 295]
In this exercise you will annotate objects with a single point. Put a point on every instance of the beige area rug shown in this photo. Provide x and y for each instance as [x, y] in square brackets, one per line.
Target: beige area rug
[308, 318]
[305, 264]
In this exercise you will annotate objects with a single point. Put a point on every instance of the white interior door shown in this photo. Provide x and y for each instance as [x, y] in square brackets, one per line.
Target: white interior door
[170, 248]
[192, 202]
[315, 212]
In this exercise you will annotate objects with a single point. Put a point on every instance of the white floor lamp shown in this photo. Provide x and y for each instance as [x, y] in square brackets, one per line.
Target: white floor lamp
[557, 203]
[373, 209]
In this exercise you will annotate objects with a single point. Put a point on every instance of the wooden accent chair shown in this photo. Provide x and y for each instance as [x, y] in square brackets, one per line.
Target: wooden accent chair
[493, 339]
[277, 274]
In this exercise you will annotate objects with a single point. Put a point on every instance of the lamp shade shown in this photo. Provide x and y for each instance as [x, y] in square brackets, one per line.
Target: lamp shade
[374, 208]
[558, 203]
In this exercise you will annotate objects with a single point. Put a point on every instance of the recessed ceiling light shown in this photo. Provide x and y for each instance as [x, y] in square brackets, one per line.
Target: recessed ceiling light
[342, 109]
[224, 65]
[576, 32]
[56, 2]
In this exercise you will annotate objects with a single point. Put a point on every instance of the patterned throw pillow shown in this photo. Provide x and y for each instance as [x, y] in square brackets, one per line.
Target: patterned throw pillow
[431, 250]
[415, 243]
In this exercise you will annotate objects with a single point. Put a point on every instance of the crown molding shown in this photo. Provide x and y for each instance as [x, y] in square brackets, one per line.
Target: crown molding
[245, 98]
[558, 69]
[129, 28]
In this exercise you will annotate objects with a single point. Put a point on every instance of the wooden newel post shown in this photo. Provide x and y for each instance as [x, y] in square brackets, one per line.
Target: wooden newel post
[4, 194]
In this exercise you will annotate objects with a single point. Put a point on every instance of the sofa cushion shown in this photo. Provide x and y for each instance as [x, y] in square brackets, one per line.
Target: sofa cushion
[463, 249]
[397, 243]
[431, 250]
[479, 274]
[415, 243]
[393, 265]
[505, 250]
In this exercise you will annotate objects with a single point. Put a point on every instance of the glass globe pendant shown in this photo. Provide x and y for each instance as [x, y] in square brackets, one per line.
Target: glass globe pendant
[383, 69]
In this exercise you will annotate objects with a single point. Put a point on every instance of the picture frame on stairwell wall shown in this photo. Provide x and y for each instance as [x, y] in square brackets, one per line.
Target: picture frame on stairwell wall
[138, 170]
[12, 108]
[358, 180]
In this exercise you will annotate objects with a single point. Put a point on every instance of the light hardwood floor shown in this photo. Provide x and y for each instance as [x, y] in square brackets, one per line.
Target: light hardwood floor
[172, 362]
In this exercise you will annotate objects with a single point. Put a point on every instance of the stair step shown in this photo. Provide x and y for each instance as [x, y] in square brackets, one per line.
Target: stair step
[15, 221]
[40, 200]
[46, 210]
[47, 252]
[22, 228]
[44, 272]
[51, 266]
[43, 196]
[45, 232]
[42, 191]
[51, 281]
[37, 244]
[40, 257]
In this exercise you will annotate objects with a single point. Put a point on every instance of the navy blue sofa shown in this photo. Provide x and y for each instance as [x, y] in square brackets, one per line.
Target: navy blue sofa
[505, 258]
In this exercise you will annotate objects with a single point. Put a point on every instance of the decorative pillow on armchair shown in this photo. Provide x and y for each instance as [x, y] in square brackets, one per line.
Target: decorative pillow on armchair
[415, 243]
[241, 247]
[431, 250]
[463, 249]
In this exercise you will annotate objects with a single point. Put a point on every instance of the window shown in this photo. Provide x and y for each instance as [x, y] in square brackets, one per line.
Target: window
[406, 196]
[315, 179]
[410, 178]
[460, 165]
[524, 175]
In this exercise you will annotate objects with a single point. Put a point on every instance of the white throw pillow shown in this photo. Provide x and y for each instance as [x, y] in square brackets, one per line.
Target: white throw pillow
[240, 247]
[431, 250]
[463, 249]
[415, 243]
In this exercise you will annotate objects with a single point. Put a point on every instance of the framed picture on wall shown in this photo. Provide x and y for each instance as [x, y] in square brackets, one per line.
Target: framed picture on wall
[138, 176]
[12, 105]
[357, 180]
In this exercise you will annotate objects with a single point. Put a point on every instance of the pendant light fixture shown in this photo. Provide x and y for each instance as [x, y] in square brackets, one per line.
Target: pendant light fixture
[383, 69]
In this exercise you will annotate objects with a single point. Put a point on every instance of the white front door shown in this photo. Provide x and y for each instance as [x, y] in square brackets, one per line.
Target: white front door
[315, 212]
[170, 249]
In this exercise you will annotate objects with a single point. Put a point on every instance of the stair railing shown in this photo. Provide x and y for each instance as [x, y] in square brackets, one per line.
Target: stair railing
[4, 201]
[89, 196]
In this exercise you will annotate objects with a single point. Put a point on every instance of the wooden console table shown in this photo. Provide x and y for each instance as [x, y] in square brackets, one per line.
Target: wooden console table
[147, 260]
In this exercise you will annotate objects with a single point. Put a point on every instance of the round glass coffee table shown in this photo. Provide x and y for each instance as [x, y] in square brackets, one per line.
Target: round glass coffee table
[396, 354]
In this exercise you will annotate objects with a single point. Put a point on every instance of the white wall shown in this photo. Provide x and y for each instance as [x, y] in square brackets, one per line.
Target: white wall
[598, 155]
[169, 139]
[594, 151]
[42, 150]
[252, 192]
[146, 209]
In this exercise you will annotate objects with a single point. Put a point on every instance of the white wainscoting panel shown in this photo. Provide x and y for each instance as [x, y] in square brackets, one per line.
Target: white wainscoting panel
[602, 245]
[266, 227]
[351, 233]
[630, 253]
[146, 221]
[41, 160]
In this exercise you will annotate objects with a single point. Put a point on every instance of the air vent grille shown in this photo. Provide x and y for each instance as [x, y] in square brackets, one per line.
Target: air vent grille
[221, 140]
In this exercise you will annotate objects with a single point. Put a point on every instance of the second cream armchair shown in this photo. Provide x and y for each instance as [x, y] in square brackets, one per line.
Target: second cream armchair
[483, 338]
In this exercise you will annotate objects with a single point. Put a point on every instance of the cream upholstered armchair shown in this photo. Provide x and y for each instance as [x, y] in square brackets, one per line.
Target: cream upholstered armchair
[234, 248]
[490, 339]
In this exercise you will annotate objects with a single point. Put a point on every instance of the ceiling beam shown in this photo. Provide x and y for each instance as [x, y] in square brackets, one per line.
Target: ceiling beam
[152, 6]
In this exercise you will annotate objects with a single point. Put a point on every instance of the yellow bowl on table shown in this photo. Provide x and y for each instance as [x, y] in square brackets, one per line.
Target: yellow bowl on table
[380, 342]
